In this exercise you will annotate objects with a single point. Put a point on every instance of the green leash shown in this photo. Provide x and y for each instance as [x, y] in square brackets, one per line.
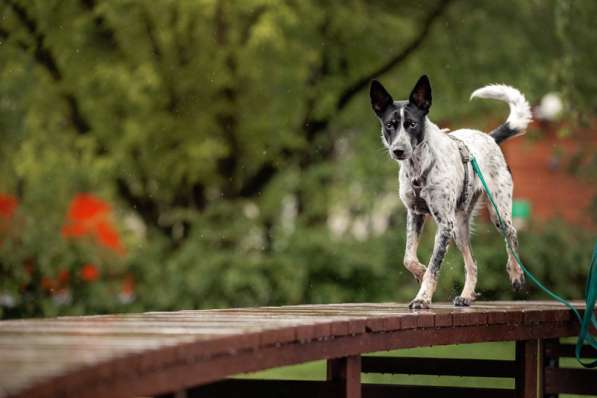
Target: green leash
[590, 289]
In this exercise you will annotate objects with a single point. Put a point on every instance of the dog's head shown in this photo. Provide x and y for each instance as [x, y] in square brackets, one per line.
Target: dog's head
[402, 122]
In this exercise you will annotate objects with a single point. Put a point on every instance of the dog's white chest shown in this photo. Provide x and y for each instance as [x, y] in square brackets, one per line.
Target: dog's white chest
[412, 191]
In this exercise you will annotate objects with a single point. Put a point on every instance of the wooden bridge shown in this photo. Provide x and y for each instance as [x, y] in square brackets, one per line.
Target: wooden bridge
[192, 353]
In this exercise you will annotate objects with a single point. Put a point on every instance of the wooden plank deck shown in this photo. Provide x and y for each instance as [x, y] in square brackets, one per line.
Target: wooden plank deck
[159, 352]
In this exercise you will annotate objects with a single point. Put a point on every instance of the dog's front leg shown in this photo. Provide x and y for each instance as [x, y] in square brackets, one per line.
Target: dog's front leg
[442, 239]
[414, 226]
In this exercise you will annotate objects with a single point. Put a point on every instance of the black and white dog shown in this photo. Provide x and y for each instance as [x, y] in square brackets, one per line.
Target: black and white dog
[436, 178]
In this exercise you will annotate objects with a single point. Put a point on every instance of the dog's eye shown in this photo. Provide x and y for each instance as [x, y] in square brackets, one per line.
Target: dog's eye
[390, 125]
[409, 124]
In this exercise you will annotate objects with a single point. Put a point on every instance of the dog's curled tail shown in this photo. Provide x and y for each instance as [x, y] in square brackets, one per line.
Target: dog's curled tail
[520, 110]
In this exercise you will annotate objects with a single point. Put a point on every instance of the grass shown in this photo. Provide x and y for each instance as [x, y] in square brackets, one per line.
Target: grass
[317, 370]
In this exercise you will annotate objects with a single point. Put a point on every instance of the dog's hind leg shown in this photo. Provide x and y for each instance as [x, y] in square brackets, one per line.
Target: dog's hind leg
[462, 239]
[504, 204]
[414, 226]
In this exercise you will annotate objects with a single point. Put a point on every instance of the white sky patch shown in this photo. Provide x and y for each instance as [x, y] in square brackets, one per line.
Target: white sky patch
[360, 228]
[251, 210]
[338, 221]
[289, 212]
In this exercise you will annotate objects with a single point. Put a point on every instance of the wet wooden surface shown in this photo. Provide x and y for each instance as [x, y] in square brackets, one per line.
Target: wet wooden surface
[157, 352]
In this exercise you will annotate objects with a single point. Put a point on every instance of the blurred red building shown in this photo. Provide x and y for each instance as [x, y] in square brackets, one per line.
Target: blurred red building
[552, 172]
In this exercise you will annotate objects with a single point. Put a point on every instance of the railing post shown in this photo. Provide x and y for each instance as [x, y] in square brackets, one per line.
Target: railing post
[551, 359]
[347, 372]
[527, 360]
[177, 394]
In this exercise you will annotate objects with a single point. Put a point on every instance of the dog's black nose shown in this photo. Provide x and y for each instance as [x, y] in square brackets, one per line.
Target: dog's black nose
[398, 153]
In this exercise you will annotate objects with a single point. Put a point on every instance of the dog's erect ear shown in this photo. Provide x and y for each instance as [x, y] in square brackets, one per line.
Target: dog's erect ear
[380, 98]
[421, 94]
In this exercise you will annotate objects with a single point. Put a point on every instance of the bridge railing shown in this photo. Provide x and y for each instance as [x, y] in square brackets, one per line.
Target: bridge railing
[193, 353]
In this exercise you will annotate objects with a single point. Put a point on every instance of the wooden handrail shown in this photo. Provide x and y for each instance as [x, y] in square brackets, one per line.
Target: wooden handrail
[160, 352]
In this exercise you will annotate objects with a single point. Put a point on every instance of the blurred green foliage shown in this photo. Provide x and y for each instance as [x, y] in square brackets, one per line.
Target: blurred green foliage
[232, 137]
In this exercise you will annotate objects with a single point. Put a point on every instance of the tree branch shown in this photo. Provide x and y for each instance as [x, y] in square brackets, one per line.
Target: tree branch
[41, 53]
[103, 32]
[3, 34]
[253, 185]
[252, 19]
[312, 127]
[46, 59]
[363, 82]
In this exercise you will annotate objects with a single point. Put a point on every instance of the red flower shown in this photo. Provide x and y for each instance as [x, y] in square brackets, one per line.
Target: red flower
[74, 230]
[84, 212]
[57, 284]
[29, 265]
[63, 277]
[128, 285]
[107, 236]
[89, 272]
[127, 292]
[48, 283]
[86, 207]
[89, 216]
[8, 205]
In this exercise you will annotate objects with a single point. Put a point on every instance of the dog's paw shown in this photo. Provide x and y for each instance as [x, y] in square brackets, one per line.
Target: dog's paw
[518, 284]
[419, 304]
[460, 301]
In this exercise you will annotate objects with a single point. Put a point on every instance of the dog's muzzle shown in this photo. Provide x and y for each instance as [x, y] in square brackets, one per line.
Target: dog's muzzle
[399, 154]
